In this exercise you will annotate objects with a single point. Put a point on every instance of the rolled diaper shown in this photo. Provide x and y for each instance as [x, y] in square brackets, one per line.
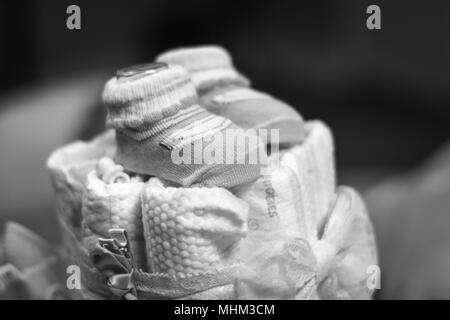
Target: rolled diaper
[109, 172]
[313, 164]
[192, 231]
[276, 250]
[346, 250]
[69, 167]
[276, 205]
[113, 203]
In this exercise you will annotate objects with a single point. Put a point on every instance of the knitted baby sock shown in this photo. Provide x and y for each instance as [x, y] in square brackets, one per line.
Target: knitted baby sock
[162, 131]
[225, 92]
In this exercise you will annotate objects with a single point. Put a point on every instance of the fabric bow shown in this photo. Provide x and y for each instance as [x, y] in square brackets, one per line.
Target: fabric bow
[346, 249]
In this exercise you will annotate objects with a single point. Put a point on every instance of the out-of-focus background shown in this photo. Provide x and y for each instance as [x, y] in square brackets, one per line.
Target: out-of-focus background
[385, 94]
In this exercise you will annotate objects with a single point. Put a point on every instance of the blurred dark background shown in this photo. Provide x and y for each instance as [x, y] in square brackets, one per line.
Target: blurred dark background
[385, 93]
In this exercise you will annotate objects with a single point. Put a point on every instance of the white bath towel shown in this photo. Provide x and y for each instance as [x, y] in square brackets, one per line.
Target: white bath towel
[113, 205]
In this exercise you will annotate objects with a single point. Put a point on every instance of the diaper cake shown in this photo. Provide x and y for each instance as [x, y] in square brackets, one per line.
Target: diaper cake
[205, 188]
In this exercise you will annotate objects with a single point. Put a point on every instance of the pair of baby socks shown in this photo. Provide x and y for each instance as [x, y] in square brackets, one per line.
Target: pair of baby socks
[225, 92]
[161, 130]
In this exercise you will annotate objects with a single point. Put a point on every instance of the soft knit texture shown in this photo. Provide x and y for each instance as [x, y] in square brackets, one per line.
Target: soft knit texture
[157, 117]
[225, 92]
[284, 232]
[113, 205]
[69, 167]
[109, 172]
[208, 66]
[192, 235]
[191, 230]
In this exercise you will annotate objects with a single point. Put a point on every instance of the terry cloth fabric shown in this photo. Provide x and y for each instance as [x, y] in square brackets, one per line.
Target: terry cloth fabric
[162, 131]
[113, 204]
[313, 164]
[346, 250]
[192, 232]
[69, 167]
[225, 92]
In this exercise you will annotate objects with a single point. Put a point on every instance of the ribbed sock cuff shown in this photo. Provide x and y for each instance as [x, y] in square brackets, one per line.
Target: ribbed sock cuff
[137, 101]
[208, 66]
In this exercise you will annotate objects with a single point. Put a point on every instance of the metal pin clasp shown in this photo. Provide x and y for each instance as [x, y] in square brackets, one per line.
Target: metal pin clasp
[120, 239]
[113, 259]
